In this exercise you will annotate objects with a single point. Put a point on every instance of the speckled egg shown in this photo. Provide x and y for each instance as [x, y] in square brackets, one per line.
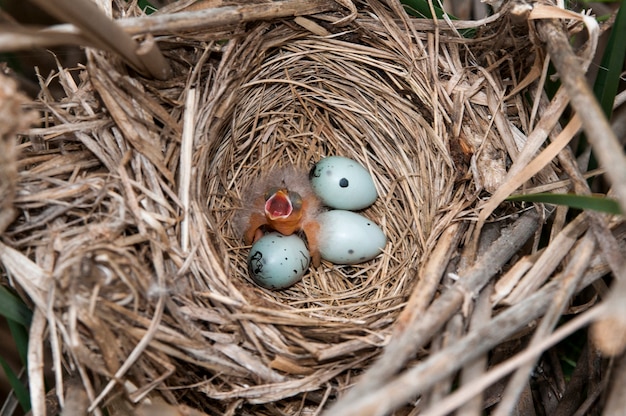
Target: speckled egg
[277, 261]
[343, 183]
[349, 238]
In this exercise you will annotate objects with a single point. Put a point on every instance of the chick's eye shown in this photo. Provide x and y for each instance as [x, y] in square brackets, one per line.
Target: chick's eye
[270, 192]
[296, 200]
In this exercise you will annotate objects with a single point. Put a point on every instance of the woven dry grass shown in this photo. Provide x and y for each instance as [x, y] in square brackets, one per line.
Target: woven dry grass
[129, 188]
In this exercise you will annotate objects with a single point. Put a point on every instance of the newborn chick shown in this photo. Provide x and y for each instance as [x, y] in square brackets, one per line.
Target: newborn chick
[283, 201]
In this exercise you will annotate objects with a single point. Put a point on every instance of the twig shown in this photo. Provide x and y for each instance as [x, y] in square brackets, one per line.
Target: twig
[417, 333]
[549, 260]
[150, 55]
[475, 369]
[454, 330]
[226, 16]
[430, 276]
[19, 38]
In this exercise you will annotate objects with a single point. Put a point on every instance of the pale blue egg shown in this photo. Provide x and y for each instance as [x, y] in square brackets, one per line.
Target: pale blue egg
[278, 261]
[346, 237]
[343, 183]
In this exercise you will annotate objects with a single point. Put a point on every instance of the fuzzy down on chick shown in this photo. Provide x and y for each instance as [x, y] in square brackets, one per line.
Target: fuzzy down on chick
[283, 201]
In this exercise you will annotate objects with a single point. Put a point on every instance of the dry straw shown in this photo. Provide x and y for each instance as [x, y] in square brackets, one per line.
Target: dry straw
[128, 190]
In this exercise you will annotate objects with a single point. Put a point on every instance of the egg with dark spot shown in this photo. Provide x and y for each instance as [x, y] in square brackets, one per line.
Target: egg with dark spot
[343, 183]
[277, 261]
[346, 237]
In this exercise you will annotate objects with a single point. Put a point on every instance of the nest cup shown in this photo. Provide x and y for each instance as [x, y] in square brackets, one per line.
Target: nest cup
[308, 98]
[275, 95]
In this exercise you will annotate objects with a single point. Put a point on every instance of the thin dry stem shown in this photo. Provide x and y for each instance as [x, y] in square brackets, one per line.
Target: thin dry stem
[185, 165]
[36, 383]
[475, 370]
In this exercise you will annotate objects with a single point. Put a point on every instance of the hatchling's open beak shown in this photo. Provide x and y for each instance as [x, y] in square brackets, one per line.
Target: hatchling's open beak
[278, 205]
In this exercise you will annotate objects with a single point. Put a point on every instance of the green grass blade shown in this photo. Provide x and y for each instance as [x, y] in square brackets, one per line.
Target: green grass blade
[20, 337]
[420, 8]
[20, 391]
[12, 308]
[147, 7]
[607, 81]
[594, 203]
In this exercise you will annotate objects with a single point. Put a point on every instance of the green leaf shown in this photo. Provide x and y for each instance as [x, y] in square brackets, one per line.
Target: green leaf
[591, 202]
[13, 308]
[20, 391]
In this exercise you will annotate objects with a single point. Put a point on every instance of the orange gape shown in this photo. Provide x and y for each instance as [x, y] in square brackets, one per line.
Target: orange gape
[284, 210]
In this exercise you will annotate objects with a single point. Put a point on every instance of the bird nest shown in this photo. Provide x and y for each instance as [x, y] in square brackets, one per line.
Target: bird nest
[296, 103]
[130, 189]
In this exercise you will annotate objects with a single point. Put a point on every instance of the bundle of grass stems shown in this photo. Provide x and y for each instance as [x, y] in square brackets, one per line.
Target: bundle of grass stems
[119, 200]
